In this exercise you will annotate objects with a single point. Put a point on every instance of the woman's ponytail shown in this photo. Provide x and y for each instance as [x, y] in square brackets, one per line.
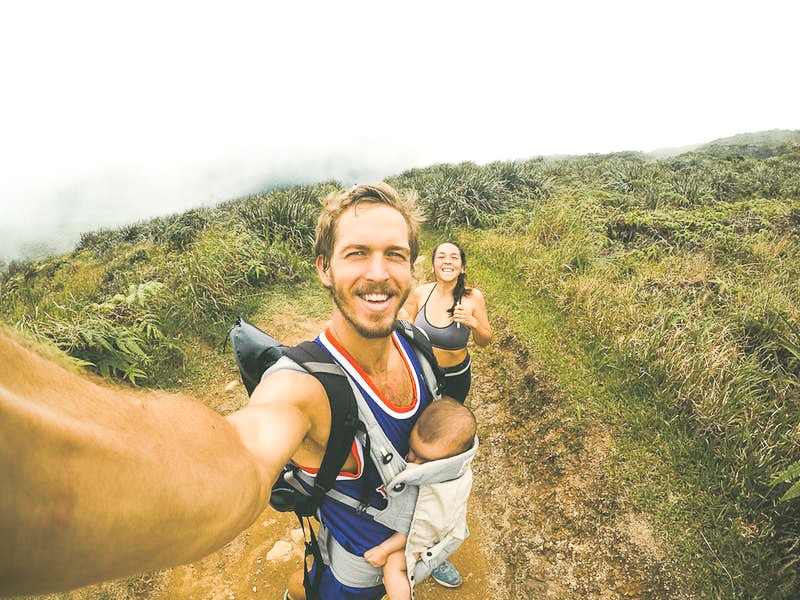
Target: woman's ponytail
[458, 292]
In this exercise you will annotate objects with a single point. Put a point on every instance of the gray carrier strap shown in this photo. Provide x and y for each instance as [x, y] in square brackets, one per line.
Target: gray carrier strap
[349, 569]
[436, 471]
[284, 362]
[427, 371]
[390, 464]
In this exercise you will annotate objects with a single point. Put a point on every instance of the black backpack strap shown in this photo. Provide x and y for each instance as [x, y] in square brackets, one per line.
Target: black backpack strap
[344, 414]
[422, 345]
[344, 424]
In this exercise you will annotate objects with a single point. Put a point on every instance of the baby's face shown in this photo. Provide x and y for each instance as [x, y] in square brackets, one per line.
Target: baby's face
[421, 452]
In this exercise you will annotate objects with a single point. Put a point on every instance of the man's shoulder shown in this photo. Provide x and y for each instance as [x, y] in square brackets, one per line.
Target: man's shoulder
[290, 383]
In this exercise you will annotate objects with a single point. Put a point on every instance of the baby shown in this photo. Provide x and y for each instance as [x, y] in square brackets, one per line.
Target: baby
[446, 428]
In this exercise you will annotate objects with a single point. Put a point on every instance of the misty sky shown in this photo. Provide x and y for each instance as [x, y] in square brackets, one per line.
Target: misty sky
[112, 112]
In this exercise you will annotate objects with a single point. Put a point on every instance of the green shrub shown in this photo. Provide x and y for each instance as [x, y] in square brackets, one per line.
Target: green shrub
[116, 337]
[463, 195]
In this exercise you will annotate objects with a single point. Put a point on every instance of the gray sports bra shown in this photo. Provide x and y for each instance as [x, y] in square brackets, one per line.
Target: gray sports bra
[446, 338]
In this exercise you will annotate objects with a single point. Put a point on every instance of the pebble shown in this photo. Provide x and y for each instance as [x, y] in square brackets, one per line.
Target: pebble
[297, 535]
[281, 550]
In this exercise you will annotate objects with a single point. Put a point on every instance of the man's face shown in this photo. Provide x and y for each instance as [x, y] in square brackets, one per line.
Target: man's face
[369, 274]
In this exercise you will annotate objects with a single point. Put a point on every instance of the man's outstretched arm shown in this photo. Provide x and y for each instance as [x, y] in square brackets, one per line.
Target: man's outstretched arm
[98, 483]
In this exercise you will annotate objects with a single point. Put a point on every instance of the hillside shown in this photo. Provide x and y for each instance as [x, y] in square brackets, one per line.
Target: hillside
[643, 394]
[760, 144]
[65, 221]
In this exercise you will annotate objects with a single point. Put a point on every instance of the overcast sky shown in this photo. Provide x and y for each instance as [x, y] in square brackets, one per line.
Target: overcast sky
[112, 112]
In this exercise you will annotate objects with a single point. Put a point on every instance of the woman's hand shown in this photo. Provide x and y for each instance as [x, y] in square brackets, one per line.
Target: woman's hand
[474, 316]
[462, 316]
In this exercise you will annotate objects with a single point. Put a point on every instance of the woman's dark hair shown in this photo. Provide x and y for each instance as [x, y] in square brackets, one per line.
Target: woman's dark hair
[461, 288]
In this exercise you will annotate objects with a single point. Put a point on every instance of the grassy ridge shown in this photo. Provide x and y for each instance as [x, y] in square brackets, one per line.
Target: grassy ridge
[706, 488]
[132, 302]
[662, 296]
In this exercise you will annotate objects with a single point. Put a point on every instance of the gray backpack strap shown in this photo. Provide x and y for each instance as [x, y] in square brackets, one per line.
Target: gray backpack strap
[284, 362]
[350, 569]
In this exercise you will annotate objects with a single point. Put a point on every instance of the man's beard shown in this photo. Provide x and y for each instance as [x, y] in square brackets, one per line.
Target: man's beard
[375, 329]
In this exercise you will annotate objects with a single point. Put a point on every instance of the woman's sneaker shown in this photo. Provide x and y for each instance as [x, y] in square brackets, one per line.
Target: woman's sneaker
[447, 575]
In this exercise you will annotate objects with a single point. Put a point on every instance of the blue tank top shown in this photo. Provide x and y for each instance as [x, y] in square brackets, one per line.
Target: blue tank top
[356, 531]
[446, 338]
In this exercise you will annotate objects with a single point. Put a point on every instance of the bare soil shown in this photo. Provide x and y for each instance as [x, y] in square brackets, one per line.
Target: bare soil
[545, 521]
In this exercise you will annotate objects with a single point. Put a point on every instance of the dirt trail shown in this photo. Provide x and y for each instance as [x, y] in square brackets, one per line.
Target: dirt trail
[257, 563]
[544, 521]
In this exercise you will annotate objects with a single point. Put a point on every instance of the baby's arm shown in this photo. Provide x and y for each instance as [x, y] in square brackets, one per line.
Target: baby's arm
[376, 556]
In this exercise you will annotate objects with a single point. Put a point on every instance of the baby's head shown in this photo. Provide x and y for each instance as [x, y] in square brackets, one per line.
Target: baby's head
[444, 429]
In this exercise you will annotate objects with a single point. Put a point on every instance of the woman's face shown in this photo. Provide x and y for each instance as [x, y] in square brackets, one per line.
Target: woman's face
[447, 264]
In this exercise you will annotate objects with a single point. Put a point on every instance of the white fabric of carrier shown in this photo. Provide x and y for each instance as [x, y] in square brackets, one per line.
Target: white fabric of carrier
[439, 525]
[434, 471]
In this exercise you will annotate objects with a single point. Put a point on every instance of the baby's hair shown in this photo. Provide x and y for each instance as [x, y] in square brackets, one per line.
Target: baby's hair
[449, 421]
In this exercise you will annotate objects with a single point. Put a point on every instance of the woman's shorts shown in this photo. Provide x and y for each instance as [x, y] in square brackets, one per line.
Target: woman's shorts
[458, 379]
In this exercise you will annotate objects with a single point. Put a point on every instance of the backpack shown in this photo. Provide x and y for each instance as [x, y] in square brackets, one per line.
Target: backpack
[256, 351]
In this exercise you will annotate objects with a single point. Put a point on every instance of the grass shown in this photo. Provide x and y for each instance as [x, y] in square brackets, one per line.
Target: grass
[661, 296]
[672, 348]
[657, 465]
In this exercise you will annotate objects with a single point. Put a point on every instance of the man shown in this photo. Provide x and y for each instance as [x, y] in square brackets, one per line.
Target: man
[98, 484]
[367, 240]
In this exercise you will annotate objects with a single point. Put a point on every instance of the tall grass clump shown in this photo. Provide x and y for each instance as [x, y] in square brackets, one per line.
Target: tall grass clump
[287, 215]
[119, 336]
[466, 195]
[212, 280]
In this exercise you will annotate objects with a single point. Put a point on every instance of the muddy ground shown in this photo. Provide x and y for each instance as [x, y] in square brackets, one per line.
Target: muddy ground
[545, 522]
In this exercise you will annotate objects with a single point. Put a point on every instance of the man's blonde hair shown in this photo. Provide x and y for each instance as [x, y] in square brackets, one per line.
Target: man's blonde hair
[336, 203]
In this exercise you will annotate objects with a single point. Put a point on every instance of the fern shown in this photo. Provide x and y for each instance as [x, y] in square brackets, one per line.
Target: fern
[792, 473]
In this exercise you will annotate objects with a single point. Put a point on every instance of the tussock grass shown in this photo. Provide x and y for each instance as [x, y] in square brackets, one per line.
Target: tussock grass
[129, 302]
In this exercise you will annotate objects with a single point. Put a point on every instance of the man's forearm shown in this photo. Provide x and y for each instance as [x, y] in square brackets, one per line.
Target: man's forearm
[98, 484]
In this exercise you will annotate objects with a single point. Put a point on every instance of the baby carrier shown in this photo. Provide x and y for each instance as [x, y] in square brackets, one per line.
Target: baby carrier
[256, 353]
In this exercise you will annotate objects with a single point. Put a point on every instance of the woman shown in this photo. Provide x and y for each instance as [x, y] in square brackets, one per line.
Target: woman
[448, 312]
